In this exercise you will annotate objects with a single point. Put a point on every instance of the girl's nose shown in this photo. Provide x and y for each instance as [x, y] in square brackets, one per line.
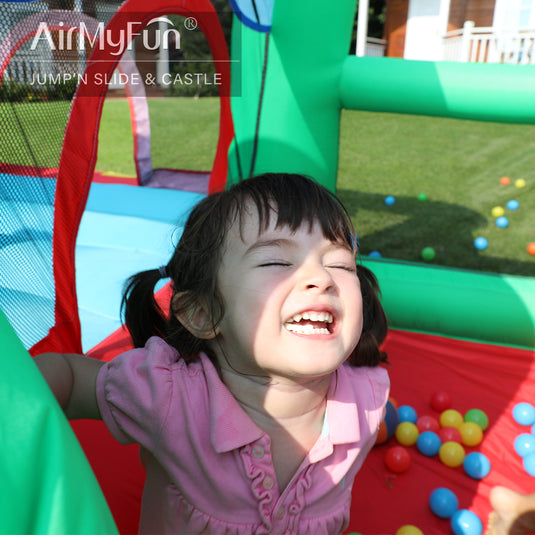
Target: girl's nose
[316, 277]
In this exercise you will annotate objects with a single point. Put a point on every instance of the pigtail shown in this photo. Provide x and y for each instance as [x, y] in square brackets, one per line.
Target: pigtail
[375, 326]
[143, 316]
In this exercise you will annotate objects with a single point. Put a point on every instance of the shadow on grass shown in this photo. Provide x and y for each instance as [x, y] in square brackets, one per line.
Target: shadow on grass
[409, 225]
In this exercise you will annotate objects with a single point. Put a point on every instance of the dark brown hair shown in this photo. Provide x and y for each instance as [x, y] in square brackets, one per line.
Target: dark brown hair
[193, 268]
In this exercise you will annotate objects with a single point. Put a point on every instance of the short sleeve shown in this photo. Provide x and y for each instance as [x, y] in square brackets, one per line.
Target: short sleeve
[134, 392]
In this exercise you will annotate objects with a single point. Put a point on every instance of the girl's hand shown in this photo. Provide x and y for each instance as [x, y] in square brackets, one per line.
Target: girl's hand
[72, 378]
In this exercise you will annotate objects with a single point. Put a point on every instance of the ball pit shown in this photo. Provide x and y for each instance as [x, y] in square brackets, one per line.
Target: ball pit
[471, 434]
[407, 433]
[476, 465]
[451, 454]
[397, 459]
[524, 413]
[440, 401]
[478, 417]
[464, 522]
[451, 418]
[443, 502]
[428, 443]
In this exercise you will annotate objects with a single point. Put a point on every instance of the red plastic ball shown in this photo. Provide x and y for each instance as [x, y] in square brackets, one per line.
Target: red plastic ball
[427, 423]
[440, 401]
[449, 434]
[397, 459]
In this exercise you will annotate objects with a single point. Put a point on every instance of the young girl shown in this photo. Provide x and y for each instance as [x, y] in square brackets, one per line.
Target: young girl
[257, 398]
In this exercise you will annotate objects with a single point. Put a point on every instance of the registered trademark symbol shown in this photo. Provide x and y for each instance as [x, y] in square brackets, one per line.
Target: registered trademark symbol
[190, 23]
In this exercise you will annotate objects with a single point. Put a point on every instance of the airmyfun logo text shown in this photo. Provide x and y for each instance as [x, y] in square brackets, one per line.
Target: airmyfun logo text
[75, 37]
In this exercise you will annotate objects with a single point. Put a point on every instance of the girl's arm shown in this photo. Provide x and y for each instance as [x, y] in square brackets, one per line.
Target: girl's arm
[73, 380]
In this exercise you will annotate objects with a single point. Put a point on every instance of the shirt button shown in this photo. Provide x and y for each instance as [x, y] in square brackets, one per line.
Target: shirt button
[280, 513]
[268, 483]
[258, 452]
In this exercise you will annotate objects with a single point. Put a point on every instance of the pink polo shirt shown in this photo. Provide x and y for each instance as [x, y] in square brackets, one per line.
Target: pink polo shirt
[209, 467]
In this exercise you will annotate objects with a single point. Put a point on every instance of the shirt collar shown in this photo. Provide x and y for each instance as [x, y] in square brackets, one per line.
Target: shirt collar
[230, 426]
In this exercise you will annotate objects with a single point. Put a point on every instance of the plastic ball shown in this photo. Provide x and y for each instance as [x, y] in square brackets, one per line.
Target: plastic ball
[478, 417]
[476, 465]
[449, 434]
[375, 254]
[520, 183]
[422, 197]
[388, 425]
[497, 211]
[464, 522]
[406, 413]
[409, 529]
[428, 443]
[525, 444]
[440, 401]
[531, 248]
[427, 423]
[512, 205]
[502, 222]
[443, 502]
[428, 254]
[451, 418]
[451, 454]
[397, 459]
[471, 433]
[505, 181]
[529, 464]
[407, 433]
[390, 200]
[524, 413]
[481, 243]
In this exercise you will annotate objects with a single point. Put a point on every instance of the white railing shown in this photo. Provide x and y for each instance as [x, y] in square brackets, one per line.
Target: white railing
[487, 45]
[374, 47]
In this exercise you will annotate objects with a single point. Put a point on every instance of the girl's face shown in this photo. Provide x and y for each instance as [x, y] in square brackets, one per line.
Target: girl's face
[293, 304]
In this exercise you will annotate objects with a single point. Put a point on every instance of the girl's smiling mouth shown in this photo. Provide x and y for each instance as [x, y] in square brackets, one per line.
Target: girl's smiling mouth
[310, 322]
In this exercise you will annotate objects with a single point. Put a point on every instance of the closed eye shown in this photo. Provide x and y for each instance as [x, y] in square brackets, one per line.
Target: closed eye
[275, 263]
[352, 268]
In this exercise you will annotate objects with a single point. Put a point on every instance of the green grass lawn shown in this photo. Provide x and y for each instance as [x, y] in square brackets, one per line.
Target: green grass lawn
[457, 164]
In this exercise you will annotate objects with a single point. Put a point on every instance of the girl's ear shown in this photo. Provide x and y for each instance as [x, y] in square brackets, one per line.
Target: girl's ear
[195, 317]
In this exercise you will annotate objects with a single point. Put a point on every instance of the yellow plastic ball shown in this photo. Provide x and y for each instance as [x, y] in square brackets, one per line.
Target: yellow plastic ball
[497, 211]
[409, 530]
[471, 433]
[407, 433]
[451, 418]
[451, 454]
[520, 183]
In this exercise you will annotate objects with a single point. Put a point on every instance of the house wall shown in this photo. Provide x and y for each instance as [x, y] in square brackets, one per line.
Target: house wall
[480, 11]
[395, 27]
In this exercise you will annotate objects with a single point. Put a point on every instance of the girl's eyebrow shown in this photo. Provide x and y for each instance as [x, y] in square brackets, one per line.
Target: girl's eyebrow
[262, 244]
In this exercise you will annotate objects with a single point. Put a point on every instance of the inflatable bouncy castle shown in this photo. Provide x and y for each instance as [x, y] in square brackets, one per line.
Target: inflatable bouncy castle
[71, 237]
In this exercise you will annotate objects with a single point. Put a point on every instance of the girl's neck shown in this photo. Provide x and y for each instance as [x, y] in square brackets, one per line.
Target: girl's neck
[279, 402]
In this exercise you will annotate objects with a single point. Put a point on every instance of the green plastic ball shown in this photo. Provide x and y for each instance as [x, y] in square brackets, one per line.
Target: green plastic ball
[428, 253]
[478, 417]
[422, 197]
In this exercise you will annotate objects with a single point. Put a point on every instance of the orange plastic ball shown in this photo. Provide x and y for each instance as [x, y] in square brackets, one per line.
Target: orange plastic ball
[505, 180]
[407, 433]
[451, 418]
[451, 454]
[531, 248]
[471, 433]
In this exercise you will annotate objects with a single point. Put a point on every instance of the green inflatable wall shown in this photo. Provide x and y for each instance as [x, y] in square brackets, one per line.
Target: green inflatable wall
[47, 485]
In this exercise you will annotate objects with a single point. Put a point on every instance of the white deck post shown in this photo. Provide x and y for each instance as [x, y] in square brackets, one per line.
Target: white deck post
[465, 44]
[362, 27]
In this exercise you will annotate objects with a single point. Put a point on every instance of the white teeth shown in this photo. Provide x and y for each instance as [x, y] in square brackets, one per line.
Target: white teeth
[306, 329]
[324, 317]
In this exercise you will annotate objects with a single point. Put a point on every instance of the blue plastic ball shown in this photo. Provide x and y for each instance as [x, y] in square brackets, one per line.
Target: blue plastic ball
[525, 444]
[443, 502]
[476, 465]
[428, 443]
[390, 200]
[481, 243]
[524, 413]
[464, 522]
[529, 464]
[391, 419]
[406, 413]
[375, 254]
[502, 222]
[512, 205]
